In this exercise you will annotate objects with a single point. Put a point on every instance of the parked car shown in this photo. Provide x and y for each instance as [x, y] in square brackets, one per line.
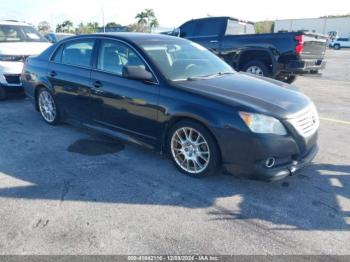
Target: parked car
[340, 43]
[282, 56]
[17, 42]
[55, 37]
[173, 95]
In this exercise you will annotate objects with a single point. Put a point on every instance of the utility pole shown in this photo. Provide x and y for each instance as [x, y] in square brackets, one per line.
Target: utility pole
[103, 20]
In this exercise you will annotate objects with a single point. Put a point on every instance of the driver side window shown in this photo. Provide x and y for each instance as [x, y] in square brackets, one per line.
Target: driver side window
[113, 56]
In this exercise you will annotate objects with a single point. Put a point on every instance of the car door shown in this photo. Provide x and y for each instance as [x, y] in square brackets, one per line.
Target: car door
[122, 104]
[69, 73]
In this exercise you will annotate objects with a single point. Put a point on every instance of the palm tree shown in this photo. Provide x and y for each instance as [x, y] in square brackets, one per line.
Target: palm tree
[142, 19]
[92, 27]
[154, 23]
[147, 18]
[150, 17]
[67, 26]
[150, 13]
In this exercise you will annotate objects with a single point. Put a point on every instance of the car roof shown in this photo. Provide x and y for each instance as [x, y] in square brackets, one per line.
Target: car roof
[13, 22]
[222, 17]
[133, 37]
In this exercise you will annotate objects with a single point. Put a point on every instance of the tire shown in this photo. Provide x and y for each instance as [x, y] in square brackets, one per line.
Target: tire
[256, 67]
[2, 93]
[199, 163]
[337, 47]
[289, 79]
[47, 106]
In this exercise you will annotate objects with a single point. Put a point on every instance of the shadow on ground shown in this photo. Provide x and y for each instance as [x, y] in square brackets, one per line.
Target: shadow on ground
[317, 198]
[307, 201]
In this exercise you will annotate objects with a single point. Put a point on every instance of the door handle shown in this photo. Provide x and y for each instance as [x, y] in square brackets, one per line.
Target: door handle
[52, 74]
[214, 41]
[97, 84]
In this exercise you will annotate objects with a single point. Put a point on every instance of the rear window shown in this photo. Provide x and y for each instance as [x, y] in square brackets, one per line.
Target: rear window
[188, 29]
[239, 28]
[210, 27]
[15, 33]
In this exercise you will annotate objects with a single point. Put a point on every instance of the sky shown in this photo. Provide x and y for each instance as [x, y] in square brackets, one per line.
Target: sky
[169, 13]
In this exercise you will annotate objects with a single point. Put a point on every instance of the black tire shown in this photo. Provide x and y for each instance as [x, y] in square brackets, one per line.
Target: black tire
[256, 63]
[214, 159]
[337, 47]
[2, 93]
[289, 79]
[56, 119]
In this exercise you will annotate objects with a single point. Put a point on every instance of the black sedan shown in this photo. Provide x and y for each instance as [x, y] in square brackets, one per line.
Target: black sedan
[175, 96]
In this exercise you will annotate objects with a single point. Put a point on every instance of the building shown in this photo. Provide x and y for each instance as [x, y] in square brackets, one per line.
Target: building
[339, 27]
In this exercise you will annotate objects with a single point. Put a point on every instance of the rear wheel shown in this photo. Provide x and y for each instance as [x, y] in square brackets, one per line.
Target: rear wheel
[193, 149]
[47, 106]
[257, 68]
[2, 93]
[337, 46]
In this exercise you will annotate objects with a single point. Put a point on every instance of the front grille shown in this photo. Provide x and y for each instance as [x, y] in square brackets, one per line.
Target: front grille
[13, 79]
[306, 122]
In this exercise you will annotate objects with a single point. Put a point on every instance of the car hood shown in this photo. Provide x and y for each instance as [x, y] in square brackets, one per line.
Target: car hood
[23, 48]
[259, 94]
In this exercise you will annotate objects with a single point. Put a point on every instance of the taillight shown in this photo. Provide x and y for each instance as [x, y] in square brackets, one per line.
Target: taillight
[300, 46]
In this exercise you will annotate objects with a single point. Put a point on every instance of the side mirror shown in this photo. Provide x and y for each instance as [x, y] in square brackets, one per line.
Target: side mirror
[137, 73]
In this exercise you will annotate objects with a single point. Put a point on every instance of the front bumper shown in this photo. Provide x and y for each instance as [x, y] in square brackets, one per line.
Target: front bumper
[10, 73]
[282, 171]
[245, 154]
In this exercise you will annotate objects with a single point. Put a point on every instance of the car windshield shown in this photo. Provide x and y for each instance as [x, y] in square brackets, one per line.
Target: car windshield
[15, 33]
[185, 61]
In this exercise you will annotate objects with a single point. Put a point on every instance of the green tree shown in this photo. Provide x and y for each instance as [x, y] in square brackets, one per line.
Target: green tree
[141, 21]
[147, 20]
[112, 24]
[88, 28]
[335, 16]
[154, 24]
[44, 27]
[65, 27]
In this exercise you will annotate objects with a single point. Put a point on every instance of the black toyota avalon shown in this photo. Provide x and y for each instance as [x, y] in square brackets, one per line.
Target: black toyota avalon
[175, 96]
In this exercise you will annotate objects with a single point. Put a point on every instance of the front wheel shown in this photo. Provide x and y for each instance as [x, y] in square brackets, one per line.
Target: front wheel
[337, 47]
[193, 149]
[47, 106]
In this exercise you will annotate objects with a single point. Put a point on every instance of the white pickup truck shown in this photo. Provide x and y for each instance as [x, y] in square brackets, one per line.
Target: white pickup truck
[17, 42]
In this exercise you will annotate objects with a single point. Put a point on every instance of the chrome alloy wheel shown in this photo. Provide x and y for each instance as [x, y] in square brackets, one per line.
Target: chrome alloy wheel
[47, 106]
[190, 150]
[255, 70]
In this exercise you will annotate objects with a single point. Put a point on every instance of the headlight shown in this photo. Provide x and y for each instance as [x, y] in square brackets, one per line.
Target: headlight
[263, 124]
